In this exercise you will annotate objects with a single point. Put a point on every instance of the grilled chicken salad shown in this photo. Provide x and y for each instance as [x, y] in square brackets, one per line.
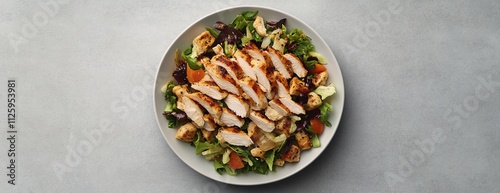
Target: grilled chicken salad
[249, 95]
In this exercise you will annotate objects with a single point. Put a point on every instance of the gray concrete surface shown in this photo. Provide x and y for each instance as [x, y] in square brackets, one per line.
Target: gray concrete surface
[422, 104]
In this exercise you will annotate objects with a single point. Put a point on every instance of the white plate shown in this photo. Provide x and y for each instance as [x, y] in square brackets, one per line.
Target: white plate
[198, 162]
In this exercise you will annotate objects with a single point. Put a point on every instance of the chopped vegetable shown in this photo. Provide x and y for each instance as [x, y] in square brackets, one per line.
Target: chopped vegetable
[235, 161]
[270, 159]
[169, 97]
[191, 58]
[276, 25]
[314, 140]
[249, 15]
[317, 69]
[325, 109]
[175, 118]
[179, 74]
[321, 58]
[317, 126]
[212, 31]
[194, 75]
[225, 156]
[325, 91]
[300, 45]
[227, 34]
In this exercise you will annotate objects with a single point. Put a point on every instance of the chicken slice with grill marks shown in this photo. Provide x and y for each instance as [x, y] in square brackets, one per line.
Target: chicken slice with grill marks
[280, 63]
[238, 105]
[260, 69]
[254, 92]
[262, 121]
[206, 78]
[272, 114]
[270, 77]
[279, 107]
[208, 103]
[209, 123]
[244, 60]
[259, 138]
[211, 89]
[221, 77]
[254, 52]
[234, 136]
[229, 118]
[282, 86]
[297, 66]
[294, 107]
[259, 65]
[193, 111]
[232, 67]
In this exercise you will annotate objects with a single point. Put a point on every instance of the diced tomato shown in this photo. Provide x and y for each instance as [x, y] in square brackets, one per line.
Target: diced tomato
[317, 69]
[317, 126]
[235, 161]
[194, 75]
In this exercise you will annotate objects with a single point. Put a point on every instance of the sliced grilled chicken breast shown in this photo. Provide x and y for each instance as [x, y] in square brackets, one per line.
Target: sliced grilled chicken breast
[209, 123]
[258, 137]
[211, 89]
[252, 131]
[272, 114]
[260, 65]
[193, 111]
[277, 105]
[253, 90]
[244, 60]
[229, 118]
[208, 103]
[282, 87]
[261, 121]
[234, 136]
[297, 66]
[280, 63]
[238, 105]
[231, 66]
[270, 77]
[221, 77]
[252, 50]
[260, 69]
[294, 107]
[206, 78]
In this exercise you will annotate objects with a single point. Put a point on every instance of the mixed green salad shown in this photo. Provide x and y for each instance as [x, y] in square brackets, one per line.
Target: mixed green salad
[249, 95]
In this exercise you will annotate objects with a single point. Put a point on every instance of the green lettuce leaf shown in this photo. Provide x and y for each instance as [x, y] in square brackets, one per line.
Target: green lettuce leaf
[325, 109]
[325, 91]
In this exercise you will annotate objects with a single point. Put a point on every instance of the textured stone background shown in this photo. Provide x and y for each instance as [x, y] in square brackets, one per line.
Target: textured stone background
[418, 116]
